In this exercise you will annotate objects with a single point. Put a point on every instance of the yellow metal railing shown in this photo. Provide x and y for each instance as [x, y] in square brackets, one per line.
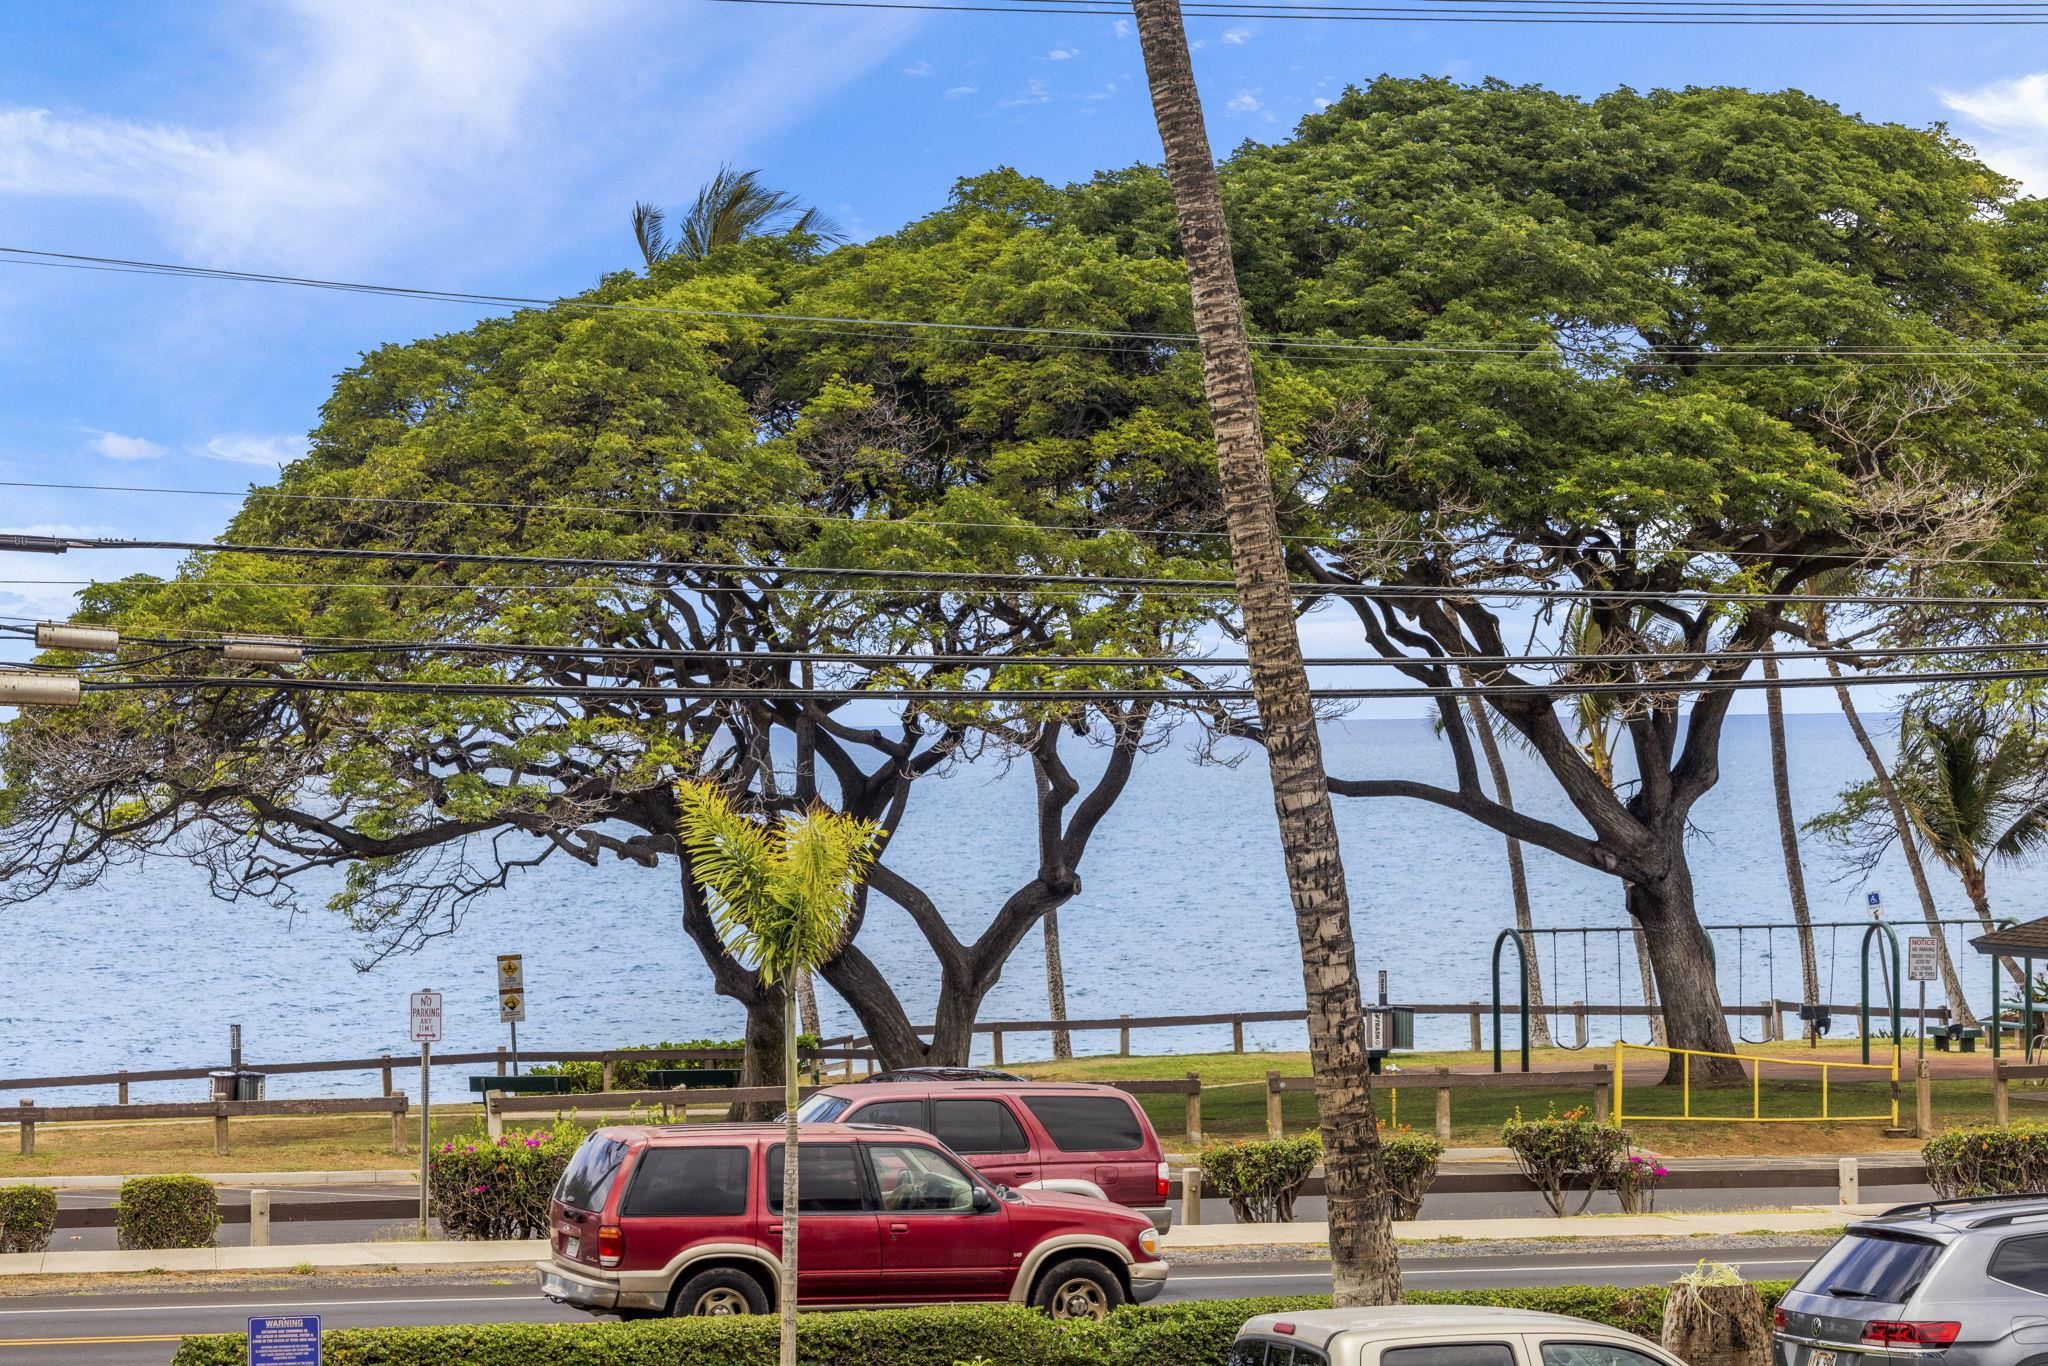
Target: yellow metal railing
[1889, 1071]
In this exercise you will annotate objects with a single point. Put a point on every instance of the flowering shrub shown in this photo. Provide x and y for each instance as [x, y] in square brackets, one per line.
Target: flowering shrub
[1636, 1180]
[1561, 1152]
[498, 1188]
[1987, 1160]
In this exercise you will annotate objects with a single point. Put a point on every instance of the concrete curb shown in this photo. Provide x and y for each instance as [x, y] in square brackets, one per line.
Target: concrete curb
[409, 1176]
[1802, 1219]
[439, 1256]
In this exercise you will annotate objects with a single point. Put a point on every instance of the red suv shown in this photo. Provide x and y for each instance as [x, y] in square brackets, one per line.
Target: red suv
[1035, 1136]
[688, 1220]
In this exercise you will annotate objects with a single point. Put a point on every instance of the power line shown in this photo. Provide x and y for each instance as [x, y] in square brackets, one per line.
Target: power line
[621, 692]
[1658, 354]
[1203, 12]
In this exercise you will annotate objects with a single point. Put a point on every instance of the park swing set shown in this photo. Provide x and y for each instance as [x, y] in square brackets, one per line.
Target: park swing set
[1820, 1015]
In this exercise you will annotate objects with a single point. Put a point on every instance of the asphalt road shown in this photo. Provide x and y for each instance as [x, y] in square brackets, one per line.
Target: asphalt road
[142, 1329]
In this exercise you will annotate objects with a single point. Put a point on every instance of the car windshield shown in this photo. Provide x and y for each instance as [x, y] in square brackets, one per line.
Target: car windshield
[1880, 1266]
[587, 1182]
[821, 1109]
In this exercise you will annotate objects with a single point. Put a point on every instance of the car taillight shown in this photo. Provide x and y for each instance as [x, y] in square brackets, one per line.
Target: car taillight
[1778, 1319]
[1286, 1328]
[1162, 1181]
[611, 1244]
[1895, 1333]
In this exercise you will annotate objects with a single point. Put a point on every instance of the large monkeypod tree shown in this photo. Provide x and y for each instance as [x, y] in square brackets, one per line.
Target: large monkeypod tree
[1606, 360]
[713, 460]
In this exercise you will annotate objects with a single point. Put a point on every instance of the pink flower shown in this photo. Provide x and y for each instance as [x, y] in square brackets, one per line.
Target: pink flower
[469, 1148]
[533, 1143]
[479, 1190]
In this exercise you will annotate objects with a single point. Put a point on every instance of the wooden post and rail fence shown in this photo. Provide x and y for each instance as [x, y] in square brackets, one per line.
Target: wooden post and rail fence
[1596, 1079]
[28, 1114]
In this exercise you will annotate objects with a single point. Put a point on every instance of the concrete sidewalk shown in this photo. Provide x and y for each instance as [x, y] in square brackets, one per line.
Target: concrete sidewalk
[520, 1255]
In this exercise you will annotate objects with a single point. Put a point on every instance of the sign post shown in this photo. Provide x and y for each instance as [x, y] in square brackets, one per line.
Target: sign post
[512, 998]
[280, 1341]
[426, 1032]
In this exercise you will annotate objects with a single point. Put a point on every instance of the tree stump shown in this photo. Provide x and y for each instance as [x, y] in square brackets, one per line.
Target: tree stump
[1717, 1325]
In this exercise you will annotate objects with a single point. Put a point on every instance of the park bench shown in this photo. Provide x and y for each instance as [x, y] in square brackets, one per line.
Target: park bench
[524, 1086]
[692, 1078]
[1964, 1037]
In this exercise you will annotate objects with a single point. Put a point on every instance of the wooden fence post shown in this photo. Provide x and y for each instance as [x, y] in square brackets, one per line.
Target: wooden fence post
[398, 1129]
[1579, 1024]
[1478, 1042]
[1273, 1122]
[1123, 1039]
[1191, 1195]
[996, 1038]
[121, 1095]
[605, 1084]
[1194, 1125]
[28, 1132]
[2001, 1115]
[501, 1062]
[1237, 1036]
[386, 1069]
[1443, 1108]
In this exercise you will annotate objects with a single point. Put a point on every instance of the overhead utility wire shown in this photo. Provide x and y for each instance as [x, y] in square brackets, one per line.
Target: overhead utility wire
[1202, 12]
[623, 692]
[1675, 354]
[1649, 551]
[947, 580]
[332, 645]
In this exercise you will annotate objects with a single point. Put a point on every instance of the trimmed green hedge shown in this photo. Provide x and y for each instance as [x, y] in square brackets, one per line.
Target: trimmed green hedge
[28, 1215]
[166, 1211]
[1198, 1333]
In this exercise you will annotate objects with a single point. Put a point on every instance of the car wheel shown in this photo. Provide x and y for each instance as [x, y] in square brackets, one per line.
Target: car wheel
[718, 1293]
[1079, 1288]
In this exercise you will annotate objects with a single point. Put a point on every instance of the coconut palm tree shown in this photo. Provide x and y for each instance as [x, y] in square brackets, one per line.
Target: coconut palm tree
[1364, 1267]
[1788, 842]
[780, 893]
[731, 206]
[1518, 875]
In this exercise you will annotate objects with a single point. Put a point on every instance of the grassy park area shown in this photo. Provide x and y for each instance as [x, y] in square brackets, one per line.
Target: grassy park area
[1233, 1106]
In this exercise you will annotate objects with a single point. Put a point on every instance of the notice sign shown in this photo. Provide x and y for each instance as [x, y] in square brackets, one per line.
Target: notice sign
[1923, 954]
[426, 1017]
[285, 1341]
[511, 988]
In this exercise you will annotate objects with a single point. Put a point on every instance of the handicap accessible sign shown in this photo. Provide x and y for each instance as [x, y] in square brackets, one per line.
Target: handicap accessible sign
[285, 1341]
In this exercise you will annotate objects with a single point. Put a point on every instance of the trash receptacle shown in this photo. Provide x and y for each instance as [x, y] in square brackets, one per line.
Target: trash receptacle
[237, 1085]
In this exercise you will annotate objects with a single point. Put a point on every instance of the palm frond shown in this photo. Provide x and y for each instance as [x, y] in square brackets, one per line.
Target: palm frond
[650, 230]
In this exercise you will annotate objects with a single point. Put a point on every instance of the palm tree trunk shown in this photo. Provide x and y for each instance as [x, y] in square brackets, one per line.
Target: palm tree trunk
[1959, 1004]
[1056, 987]
[807, 1005]
[1788, 843]
[1647, 970]
[1363, 1264]
[789, 1176]
[1518, 876]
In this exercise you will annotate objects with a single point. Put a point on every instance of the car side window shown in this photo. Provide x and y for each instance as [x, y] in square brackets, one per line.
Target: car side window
[1452, 1354]
[828, 1179]
[1088, 1124]
[978, 1126]
[916, 1179]
[1594, 1354]
[2022, 1262]
[1252, 1352]
[908, 1113]
[688, 1183]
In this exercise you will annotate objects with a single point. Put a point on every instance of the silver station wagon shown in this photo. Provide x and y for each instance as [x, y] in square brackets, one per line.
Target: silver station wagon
[1961, 1282]
[1437, 1335]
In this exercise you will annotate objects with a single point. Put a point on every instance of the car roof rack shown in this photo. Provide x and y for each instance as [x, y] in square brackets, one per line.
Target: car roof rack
[1962, 1202]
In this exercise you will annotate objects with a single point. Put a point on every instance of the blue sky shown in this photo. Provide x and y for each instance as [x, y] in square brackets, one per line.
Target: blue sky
[499, 147]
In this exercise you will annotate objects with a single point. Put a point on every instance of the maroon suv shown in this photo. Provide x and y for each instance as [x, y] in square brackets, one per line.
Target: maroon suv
[685, 1220]
[1072, 1137]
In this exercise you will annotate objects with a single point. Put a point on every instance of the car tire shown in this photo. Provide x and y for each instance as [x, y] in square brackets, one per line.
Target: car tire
[718, 1293]
[1078, 1288]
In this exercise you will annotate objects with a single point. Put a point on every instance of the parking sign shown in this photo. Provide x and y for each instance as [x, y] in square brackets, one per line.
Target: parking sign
[426, 1017]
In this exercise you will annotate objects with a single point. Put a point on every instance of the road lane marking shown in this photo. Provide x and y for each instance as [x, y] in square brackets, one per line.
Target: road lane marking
[520, 1298]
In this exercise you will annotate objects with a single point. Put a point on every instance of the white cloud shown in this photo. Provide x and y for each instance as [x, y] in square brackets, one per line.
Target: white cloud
[244, 448]
[115, 446]
[2014, 118]
[1062, 53]
[1034, 92]
[377, 118]
[1244, 102]
[1322, 103]
[1237, 37]
[957, 91]
[1122, 28]
[919, 69]
[1107, 92]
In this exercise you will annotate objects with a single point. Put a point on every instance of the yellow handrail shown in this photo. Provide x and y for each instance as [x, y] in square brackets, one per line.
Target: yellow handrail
[1756, 1091]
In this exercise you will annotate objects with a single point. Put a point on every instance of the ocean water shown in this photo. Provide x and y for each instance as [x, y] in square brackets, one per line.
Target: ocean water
[1183, 909]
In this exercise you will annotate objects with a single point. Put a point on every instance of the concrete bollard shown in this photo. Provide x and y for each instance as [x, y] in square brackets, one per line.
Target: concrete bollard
[1851, 1185]
[1123, 1040]
[494, 1123]
[259, 1218]
[1191, 1195]
[1443, 1110]
[1923, 1102]
[1273, 1120]
[28, 1132]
